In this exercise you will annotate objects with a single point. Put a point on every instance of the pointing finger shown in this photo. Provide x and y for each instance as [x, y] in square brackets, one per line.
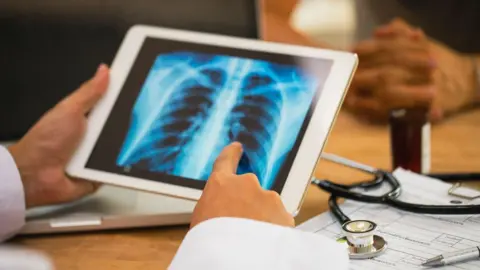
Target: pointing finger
[85, 97]
[227, 161]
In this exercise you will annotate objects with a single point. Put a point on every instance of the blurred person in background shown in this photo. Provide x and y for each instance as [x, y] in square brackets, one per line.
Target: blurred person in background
[413, 53]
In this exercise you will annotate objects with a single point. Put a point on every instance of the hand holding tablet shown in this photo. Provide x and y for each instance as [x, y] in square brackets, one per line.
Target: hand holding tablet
[177, 98]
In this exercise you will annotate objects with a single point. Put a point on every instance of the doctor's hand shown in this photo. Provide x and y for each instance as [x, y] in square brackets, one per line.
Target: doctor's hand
[42, 154]
[227, 194]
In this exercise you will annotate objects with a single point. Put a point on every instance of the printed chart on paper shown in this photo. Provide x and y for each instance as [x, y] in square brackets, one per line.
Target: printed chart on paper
[412, 238]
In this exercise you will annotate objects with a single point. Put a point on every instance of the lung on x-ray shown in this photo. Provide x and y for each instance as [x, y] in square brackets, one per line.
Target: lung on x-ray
[191, 105]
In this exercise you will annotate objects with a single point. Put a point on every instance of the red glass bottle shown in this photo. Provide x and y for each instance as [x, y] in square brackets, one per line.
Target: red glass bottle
[410, 139]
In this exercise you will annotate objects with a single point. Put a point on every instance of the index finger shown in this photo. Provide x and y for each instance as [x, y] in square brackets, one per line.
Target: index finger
[227, 161]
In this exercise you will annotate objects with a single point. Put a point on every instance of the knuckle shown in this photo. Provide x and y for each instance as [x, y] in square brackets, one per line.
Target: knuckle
[272, 196]
[389, 97]
[423, 57]
[250, 177]
[216, 179]
[380, 47]
[423, 40]
[425, 54]
[430, 95]
[383, 77]
[218, 162]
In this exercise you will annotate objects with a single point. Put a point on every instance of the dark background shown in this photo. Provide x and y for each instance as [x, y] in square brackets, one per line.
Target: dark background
[49, 47]
[111, 138]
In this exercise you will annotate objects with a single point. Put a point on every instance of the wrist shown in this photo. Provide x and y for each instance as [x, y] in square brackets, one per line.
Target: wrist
[475, 87]
[470, 85]
[455, 78]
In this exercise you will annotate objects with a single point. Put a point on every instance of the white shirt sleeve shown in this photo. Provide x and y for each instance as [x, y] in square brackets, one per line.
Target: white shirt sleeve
[221, 243]
[233, 243]
[12, 197]
[19, 258]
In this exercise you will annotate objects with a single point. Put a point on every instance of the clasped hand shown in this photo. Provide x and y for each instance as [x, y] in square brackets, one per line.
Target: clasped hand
[400, 67]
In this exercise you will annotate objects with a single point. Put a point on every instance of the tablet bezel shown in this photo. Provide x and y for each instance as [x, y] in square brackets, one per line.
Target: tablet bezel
[315, 137]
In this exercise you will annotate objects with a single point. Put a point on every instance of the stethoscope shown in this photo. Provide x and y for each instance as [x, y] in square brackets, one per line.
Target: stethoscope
[360, 235]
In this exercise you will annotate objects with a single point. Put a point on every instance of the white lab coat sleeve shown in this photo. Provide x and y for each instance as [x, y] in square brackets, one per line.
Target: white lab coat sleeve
[234, 243]
[19, 258]
[12, 197]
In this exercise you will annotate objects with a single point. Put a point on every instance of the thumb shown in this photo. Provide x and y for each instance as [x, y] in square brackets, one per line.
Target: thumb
[227, 161]
[88, 94]
[79, 188]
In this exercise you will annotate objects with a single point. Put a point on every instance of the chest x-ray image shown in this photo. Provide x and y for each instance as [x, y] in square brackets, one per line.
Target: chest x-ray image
[192, 104]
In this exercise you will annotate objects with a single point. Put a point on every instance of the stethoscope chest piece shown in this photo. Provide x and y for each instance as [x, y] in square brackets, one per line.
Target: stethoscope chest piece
[361, 239]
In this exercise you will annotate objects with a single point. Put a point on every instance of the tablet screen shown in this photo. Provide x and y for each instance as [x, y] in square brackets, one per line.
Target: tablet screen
[182, 103]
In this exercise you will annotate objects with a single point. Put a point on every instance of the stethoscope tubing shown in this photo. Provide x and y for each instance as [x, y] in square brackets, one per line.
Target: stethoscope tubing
[340, 192]
[336, 211]
[390, 199]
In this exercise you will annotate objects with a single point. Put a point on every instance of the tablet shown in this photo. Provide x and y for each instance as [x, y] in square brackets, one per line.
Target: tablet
[176, 98]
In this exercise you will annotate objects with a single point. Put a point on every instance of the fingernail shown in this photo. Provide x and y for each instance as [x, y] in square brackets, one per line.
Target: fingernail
[100, 74]
[237, 144]
[100, 70]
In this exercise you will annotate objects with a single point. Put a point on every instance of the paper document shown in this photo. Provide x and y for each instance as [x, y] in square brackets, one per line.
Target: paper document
[412, 238]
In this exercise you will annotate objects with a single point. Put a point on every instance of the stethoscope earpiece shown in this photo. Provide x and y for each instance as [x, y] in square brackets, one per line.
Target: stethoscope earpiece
[361, 239]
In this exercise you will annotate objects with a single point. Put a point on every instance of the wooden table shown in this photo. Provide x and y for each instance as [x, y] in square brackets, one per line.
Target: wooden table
[455, 147]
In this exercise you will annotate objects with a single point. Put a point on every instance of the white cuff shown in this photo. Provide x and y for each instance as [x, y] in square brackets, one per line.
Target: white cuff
[12, 197]
[19, 258]
[233, 243]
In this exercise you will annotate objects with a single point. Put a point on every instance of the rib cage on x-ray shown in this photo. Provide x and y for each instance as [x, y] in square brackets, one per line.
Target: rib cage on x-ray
[192, 105]
[255, 121]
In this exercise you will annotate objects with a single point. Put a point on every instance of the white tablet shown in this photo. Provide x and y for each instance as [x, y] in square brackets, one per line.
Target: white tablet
[176, 98]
